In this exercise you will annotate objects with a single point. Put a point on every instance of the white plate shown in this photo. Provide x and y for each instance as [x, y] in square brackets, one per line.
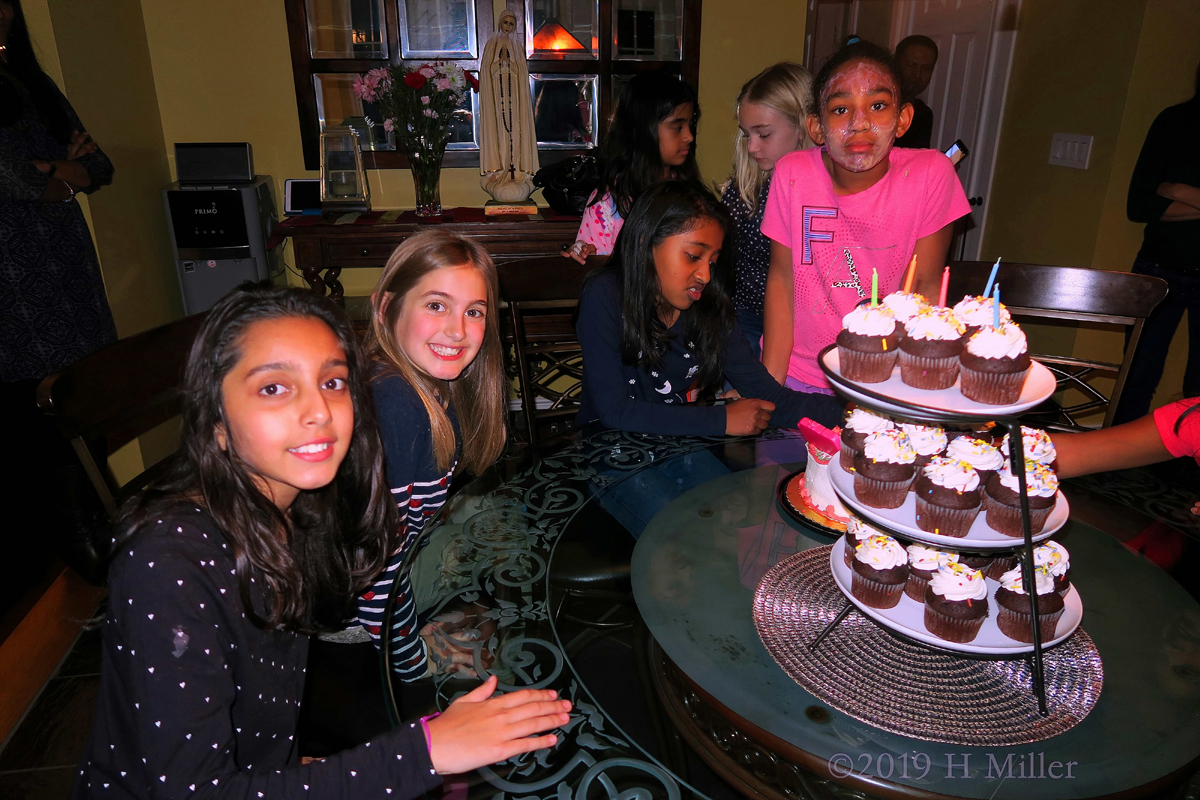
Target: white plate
[1039, 387]
[908, 617]
[903, 520]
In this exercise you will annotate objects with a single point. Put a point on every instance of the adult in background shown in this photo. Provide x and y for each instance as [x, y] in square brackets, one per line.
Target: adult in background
[53, 308]
[917, 57]
[1164, 193]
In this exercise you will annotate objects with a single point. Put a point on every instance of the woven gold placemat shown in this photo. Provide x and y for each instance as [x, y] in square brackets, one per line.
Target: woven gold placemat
[867, 673]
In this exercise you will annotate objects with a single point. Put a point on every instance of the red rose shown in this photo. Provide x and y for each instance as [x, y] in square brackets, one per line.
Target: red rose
[414, 80]
[471, 79]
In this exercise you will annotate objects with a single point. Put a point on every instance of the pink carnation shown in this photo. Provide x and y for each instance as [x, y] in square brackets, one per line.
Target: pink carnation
[427, 71]
[364, 87]
[425, 101]
[443, 84]
[389, 125]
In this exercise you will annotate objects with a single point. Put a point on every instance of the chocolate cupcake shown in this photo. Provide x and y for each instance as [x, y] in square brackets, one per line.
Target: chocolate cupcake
[1002, 503]
[922, 563]
[859, 423]
[947, 497]
[1053, 557]
[1015, 617]
[976, 561]
[956, 603]
[880, 570]
[868, 344]
[930, 351]
[1001, 565]
[927, 440]
[905, 306]
[1038, 446]
[975, 312]
[994, 364]
[857, 532]
[984, 458]
[884, 471]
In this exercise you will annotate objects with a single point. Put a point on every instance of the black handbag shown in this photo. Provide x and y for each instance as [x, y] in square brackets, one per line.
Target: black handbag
[568, 184]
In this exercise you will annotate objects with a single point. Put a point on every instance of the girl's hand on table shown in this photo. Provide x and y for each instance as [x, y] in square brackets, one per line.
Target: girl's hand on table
[580, 251]
[748, 416]
[479, 729]
[1196, 508]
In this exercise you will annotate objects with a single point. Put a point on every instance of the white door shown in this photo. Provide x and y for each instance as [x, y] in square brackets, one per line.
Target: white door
[975, 41]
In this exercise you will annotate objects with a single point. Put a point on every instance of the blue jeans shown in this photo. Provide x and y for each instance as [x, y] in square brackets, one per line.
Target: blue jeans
[1147, 367]
[752, 325]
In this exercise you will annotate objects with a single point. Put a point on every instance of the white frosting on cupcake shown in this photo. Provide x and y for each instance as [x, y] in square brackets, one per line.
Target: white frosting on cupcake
[976, 311]
[892, 446]
[881, 552]
[927, 559]
[952, 474]
[927, 440]
[936, 323]
[1052, 557]
[859, 529]
[1040, 480]
[870, 321]
[1013, 581]
[905, 305]
[976, 452]
[1038, 446]
[958, 582]
[1007, 341]
[861, 420]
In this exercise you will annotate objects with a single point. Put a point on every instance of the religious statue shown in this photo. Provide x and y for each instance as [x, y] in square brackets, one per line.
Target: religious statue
[508, 155]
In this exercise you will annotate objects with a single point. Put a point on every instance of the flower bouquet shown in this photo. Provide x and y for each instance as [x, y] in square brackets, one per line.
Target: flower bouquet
[416, 104]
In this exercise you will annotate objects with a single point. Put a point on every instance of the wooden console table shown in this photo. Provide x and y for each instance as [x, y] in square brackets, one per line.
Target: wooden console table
[324, 247]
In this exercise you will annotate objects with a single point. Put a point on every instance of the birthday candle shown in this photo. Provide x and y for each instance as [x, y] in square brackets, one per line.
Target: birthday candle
[945, 286]
[996, 306]
[991, 278]
[874, 288]
[912, 271]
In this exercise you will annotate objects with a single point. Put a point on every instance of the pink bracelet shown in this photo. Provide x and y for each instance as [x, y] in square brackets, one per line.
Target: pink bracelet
[425, 727]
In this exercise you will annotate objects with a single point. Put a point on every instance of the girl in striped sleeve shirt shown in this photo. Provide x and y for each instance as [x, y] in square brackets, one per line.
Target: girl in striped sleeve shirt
[439, 394]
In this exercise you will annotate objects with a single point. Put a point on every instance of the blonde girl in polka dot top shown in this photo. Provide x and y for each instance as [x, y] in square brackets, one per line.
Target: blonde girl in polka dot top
[273, 515]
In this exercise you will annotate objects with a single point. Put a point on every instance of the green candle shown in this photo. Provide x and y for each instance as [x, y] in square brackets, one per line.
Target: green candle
[874, 288]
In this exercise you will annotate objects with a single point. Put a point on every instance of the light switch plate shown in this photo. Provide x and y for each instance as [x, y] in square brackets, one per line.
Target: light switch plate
[1071, 150]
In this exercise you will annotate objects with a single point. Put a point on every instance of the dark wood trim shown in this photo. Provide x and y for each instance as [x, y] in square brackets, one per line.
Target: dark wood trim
[691, 43]
[306, 93]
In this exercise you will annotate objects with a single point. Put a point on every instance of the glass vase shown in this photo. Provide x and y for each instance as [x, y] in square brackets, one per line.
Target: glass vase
[425, 161]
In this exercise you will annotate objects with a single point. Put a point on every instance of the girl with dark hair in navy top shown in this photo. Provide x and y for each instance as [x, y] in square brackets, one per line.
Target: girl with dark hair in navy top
[657, 327]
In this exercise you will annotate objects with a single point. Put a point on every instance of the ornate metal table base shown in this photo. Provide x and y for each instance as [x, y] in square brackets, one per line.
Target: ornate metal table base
[901, 687]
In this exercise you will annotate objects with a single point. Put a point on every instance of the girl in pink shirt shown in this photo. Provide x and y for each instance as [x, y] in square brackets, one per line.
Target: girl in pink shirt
[853, 206]
[651, 139]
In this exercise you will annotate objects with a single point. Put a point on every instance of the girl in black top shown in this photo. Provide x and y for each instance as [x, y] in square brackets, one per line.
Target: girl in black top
[657, 327]
[274, 514]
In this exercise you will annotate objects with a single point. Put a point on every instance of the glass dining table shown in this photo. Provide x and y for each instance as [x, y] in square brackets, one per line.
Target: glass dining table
[674, 693]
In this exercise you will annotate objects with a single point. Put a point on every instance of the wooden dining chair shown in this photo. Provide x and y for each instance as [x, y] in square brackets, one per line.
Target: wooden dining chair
[106, 400]
[541, 295]
[1070, 293]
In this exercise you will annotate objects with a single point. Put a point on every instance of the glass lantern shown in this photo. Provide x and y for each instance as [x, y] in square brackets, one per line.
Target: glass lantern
[343, 182]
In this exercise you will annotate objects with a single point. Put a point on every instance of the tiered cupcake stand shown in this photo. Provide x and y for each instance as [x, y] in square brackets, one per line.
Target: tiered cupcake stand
[941, 407]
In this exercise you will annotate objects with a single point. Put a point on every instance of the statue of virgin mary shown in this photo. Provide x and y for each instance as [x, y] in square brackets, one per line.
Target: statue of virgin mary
[508, 155]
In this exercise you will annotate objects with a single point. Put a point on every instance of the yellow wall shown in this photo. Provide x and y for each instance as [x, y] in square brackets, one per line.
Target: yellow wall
[738, 39]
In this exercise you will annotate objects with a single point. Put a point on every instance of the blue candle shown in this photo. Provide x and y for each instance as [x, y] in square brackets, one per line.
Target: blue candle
[996, 306]
[991, 278]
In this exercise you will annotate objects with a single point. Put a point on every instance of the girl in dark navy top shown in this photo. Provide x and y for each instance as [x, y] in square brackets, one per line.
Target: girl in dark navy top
[272, 517]
[657, 327]
[439, 394]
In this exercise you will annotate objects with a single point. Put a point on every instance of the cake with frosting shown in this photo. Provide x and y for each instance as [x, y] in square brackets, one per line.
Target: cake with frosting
[857, 532]
[868, 344]
[860, 422]
[923, 561]
[977, 311]
[884, 471]
[956, 603]
[905, 306]
[984, 458]
[927, 440]
[880, 571]
[1037, 446]
[930, 349]
[811, 493]
[1002, 502]
[1053, 557]
[993, 365]
[1015, 615]
[948, 497]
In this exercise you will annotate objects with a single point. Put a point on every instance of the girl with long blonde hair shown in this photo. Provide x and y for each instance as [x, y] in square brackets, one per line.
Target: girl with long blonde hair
[772, 108]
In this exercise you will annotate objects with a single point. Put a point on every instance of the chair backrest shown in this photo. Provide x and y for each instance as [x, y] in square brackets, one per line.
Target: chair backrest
[107, 399]
[1072, 293]
[541, 295]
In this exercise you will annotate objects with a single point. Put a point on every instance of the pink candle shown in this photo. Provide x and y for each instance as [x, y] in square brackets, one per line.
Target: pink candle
[945, 286]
